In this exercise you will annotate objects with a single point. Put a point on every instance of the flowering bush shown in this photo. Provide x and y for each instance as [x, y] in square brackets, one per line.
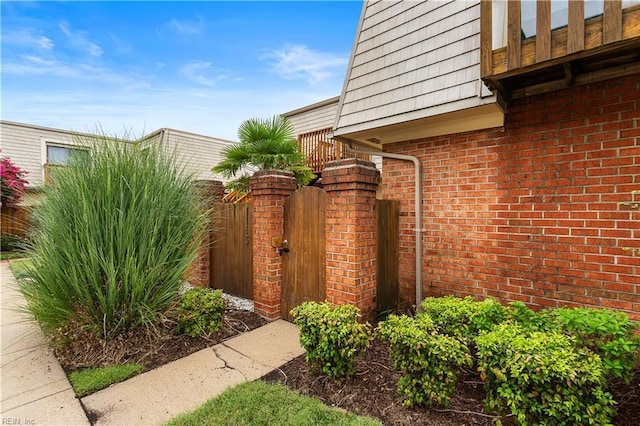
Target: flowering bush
[13, 182]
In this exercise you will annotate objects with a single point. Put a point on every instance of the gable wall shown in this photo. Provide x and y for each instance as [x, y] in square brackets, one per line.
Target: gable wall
[315, 119]
[530, 212]
[197, 152]
[412, 56]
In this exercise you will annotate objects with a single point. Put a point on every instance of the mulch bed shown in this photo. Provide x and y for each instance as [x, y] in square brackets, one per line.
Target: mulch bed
[155, 350]
[372, 392]
[235, 322]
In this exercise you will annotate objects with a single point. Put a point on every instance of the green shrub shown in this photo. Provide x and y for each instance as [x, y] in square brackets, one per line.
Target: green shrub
[463, 318]
[430, 362]
[525, 317]
[542, 378]
[116, 234]
[610, 334]
[201, 311]
[331, 335]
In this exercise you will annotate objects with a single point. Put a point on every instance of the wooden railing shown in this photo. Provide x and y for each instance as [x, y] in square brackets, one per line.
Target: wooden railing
[320, 148]
[613, 29]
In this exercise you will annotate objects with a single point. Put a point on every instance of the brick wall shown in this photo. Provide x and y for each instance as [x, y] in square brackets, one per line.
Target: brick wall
[269, 191]
[199, 273]
[530, 211]
[351, 241]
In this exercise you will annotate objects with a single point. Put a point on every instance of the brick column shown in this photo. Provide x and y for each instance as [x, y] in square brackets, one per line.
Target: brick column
[351, 186]
[199, 272]
[269, 191]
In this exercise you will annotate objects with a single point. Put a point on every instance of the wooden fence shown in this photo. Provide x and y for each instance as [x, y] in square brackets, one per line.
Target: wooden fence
[15, 221]
[231, 250]
[303, 275]
[388, 224]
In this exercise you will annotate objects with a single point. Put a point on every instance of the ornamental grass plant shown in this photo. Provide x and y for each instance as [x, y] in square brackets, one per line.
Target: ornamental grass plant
[116, 233]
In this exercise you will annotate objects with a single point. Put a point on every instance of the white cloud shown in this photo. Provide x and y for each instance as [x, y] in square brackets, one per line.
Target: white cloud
[203, 73]
[27, 37]
[121, 47]
[186, 27]
[79, 40]
[204, 111]
[300, 62]
[77, 71]
[34, 65]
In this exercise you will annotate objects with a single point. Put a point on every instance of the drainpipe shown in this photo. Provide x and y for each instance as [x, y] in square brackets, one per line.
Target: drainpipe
[418, 203]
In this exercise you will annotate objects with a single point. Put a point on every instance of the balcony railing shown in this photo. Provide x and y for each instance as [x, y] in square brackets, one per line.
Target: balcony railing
[320, 148]
[582, 51]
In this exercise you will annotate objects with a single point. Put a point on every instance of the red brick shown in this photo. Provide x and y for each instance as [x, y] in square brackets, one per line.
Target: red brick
[269, 191]
[351, 187]
[199, 273]
[547, 213]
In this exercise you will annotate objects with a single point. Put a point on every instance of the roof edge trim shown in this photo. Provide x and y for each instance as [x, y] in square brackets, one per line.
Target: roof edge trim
[306, 108]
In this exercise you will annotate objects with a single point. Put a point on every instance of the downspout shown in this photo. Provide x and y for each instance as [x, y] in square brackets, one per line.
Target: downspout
[418, 203]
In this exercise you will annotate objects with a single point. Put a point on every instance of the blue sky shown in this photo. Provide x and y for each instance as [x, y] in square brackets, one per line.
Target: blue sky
[202, 67]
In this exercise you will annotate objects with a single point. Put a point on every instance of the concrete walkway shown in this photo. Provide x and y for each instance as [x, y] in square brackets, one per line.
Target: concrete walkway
[36, 391]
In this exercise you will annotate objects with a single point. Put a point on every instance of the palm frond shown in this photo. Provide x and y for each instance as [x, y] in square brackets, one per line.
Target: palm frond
[276, 128]
[240, 185]
[270, 154]
[267, 144]
[235, 157]
[303, 174]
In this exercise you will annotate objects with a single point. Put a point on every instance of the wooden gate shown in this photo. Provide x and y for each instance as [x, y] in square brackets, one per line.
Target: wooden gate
[231, 250]
[304, 264]
[388, 223]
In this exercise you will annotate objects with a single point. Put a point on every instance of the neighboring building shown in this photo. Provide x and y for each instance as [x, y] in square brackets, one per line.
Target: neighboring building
[39, 149]
[198, 152]
[312, 118]
[313, 126]
[527, 146]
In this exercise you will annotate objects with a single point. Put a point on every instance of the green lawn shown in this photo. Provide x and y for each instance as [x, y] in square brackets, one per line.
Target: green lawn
[262, 404]
[7, 255]
[18, 266]
[91, 380]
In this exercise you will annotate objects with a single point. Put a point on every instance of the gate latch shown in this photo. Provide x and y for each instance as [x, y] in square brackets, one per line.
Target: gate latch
[284, 247]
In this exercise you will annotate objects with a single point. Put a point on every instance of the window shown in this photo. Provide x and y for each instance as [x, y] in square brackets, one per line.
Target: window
[61, 155]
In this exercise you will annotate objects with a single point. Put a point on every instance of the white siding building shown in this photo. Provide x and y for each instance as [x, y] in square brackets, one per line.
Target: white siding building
[199, 153]
[32, 148]
[314, 117]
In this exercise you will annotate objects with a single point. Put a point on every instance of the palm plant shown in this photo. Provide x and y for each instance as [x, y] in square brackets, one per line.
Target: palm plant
[264, 144]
